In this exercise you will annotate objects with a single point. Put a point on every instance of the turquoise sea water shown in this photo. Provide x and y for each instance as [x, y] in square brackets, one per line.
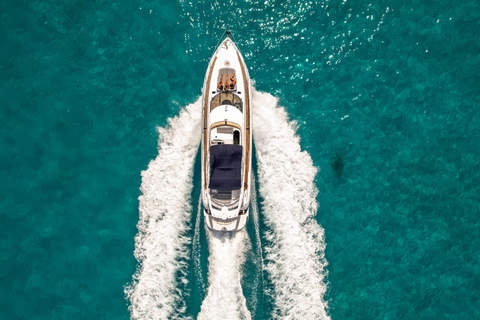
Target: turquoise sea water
[385, 97]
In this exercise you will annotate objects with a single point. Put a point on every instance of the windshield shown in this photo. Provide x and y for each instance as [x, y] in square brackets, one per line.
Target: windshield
[226, 98]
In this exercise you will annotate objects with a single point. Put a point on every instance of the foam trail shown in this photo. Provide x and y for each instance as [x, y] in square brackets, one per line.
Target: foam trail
[225, 298]
[255, 217]
[258, 257]
[196, 246]
[165, 208]
[295, 258]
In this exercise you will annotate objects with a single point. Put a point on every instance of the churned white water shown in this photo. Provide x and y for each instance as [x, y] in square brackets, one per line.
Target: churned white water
[197, 246]
[225, 299]
[294, 255]
[295, 260]
[257, 255]
[161, 245]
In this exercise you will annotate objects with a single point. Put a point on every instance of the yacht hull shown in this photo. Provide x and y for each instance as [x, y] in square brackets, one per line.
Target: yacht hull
[226, 140]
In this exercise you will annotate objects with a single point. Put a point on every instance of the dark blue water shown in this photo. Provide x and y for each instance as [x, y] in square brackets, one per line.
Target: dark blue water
[385, 96]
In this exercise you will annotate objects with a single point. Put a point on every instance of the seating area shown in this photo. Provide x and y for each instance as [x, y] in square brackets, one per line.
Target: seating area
[226, 80]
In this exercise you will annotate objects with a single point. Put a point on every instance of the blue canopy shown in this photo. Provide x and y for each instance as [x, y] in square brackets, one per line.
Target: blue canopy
[226, 167]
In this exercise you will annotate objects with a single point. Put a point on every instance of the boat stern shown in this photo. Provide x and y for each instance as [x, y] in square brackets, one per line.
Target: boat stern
[226, 224]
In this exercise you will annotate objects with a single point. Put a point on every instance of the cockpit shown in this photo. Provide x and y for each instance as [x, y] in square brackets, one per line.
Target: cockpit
[225, 135]
[226, 154]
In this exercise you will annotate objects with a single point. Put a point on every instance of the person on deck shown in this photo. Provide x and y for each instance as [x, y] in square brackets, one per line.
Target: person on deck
[234, 82]
[227, 83]
[220, 84]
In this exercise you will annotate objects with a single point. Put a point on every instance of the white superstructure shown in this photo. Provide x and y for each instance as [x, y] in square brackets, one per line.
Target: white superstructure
[226, 139]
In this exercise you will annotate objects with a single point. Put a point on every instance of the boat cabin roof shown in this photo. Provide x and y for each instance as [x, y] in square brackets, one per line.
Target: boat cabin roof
[226, 167]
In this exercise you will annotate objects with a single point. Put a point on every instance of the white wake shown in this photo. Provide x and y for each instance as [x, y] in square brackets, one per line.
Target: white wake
[165, 210]
[225, 299]
[257, 256]
[196, 255]
[295, 259]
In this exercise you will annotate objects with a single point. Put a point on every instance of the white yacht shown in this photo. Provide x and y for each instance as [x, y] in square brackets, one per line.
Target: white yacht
[226, 139]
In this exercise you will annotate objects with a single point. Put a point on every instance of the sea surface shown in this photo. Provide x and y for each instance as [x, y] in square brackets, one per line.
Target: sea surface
[367, 161]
